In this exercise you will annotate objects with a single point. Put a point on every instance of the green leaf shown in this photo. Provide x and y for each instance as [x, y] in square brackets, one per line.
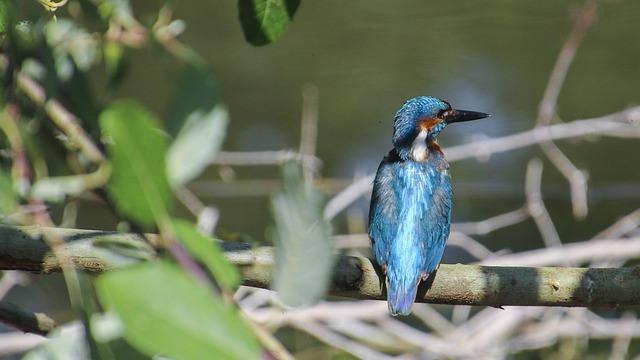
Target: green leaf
[120, 252]
[6, 16]
[165, 312]
[197, 144]
[304, 249]
[115, 62]
[264, 21]
[68, 341]
[207, 251]
[8, 197]
[198, 123]
[137, 151]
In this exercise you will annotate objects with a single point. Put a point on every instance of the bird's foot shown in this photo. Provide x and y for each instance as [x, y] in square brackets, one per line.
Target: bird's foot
[424, 275]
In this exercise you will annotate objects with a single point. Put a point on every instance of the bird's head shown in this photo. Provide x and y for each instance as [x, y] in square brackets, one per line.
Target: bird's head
[420, 120]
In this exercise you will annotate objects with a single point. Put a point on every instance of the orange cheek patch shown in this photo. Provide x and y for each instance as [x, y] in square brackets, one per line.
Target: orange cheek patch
[434, 147]
[429, 123]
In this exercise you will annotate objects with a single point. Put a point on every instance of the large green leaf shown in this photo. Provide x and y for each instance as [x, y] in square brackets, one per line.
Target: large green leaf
[207, 251]
[304, 249]
[137, 151]
[264, 21]
[166, 312]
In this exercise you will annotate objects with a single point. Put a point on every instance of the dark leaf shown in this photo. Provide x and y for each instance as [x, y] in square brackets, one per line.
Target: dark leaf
[264, 21]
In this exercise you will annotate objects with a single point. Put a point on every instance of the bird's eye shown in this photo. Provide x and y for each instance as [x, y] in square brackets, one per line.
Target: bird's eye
[443, 114]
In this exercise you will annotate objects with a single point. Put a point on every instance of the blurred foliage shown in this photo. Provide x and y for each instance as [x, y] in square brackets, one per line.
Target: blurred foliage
[136, 148]
[64, 138]
[264, 21]
[304, 251]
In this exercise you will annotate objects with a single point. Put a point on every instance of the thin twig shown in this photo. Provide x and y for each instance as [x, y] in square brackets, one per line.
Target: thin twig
[309, 129]
[576, 253]
[257, 158]
[536, 207]
[620, 347]
[357, 349]
[585, 19]
[577, 178]
[620, 124]
[491, 224]
[64, 120]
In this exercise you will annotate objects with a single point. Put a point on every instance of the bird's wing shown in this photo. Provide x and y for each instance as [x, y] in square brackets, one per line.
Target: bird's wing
[434, 226]
[383, 213]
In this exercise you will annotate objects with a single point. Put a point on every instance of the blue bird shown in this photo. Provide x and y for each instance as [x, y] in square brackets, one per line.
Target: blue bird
[410, 211]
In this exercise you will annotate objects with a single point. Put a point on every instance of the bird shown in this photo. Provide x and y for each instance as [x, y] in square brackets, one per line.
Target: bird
[410, 210]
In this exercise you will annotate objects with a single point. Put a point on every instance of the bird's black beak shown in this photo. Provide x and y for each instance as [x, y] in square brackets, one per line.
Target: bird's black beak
[454, 116]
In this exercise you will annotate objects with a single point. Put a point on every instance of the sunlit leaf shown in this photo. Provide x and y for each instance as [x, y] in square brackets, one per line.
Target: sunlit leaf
[165, 312]
[264, 21]
[304, 250]
[55, 189]
[115, 61]
[198, 123]
[137, 151]
[71, 45]
[196, 145]
[68, 341]
[121, 251]
[207, 251]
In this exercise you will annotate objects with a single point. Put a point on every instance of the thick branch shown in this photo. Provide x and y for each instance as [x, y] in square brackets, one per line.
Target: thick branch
[356, 277]
[37, 323]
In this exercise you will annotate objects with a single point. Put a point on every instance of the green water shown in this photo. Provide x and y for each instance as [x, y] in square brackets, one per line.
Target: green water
[367, 57]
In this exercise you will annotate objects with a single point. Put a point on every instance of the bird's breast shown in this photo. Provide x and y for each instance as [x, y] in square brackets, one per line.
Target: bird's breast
[419, 149]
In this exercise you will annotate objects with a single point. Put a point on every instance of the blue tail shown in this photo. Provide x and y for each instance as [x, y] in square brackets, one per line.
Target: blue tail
[400, 297]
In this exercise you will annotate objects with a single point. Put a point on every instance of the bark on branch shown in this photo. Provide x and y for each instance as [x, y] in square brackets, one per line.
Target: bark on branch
[22, 248]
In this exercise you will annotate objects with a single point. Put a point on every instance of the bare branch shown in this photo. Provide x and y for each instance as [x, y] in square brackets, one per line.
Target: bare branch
[623, 124]
[536, 207]
[576, 253]
[585, 19]
[577, 178]
[253, 158]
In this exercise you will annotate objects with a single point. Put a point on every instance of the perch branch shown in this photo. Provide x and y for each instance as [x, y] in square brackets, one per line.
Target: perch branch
[354, 277]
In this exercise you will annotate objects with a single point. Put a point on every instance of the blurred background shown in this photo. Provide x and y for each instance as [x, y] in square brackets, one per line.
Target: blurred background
[358, 61]
[367, 58]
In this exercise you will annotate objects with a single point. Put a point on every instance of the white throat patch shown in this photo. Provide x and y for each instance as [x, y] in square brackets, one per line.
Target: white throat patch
[419, 149]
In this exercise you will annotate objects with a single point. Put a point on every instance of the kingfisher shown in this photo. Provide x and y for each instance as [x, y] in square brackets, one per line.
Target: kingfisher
[410, 213]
